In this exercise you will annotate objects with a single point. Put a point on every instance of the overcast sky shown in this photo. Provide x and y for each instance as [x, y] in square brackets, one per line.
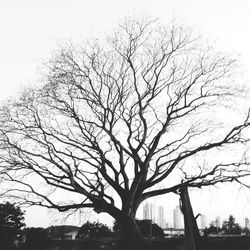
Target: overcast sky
[31, 29]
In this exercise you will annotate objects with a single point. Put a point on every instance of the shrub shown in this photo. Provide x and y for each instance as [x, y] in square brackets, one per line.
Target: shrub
[93, 230]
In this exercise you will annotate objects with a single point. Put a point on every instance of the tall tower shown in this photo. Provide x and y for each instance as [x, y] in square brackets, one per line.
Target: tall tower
[177, 217]
[149, 212]
[202, 221]
[218, 221]
[160, 217]
[246, 222]
[152, 212]
[146, 212]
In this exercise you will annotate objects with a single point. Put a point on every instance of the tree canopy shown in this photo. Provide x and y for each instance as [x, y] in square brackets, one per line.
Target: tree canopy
[230, 226]
[116, 122]
[11, 222]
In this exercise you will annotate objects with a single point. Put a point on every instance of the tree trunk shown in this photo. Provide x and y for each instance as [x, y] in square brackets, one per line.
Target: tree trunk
[132, 237]
[192, 235]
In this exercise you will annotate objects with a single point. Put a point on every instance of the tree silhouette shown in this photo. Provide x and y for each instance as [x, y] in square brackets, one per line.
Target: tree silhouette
[231, 227]
[11, 223]
[117, 122]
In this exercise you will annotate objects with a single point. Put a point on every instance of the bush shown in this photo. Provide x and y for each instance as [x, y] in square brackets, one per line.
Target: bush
[212, 230]
[93, 230]
[36, 238]
[146, 227]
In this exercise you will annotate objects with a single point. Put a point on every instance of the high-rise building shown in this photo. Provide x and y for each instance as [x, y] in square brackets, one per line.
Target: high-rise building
[152, 212]
[149, 212]
[218, 221]
[246, 223]
[202, 221]
[146, 212]
[178, 223]
[160, 217]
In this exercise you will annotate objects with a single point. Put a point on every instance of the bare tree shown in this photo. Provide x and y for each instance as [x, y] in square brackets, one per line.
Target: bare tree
[120, 121]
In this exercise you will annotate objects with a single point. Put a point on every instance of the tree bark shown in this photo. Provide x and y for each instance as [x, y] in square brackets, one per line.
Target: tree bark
[132, 237]
[192, 235]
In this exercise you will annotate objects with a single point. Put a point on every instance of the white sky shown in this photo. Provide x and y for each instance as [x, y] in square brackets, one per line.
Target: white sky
[31, 29]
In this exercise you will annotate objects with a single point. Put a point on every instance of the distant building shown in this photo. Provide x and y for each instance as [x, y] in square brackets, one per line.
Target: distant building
[171, 232]
[160, 217]
[63, 232]
[149, 212]
[145, 211]
[246, 222]
[218, 221]
[70, 235]
[202, 221]
[152, 212]
[178, 220]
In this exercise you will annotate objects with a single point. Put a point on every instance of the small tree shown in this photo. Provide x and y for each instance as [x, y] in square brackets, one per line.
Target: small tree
[11, 222]
[231, 227]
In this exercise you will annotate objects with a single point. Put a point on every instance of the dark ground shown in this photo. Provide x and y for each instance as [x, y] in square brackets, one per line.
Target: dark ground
[226, 243]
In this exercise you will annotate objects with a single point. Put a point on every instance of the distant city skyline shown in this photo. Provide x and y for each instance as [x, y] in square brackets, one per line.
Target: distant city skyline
[157, 215]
